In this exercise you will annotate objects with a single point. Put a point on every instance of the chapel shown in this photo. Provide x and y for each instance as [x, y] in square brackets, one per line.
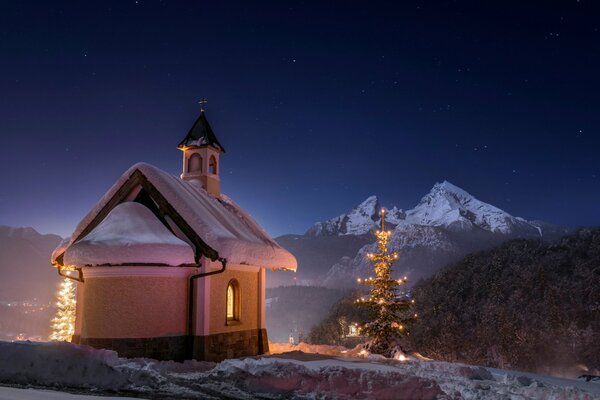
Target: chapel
[170, 268]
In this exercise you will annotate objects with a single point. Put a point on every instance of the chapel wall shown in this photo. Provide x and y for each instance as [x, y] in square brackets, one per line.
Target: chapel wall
[249, 291]
[134, 307]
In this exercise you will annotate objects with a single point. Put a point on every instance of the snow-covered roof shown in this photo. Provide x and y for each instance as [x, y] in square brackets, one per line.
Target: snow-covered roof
[218, 227]
[130, 233]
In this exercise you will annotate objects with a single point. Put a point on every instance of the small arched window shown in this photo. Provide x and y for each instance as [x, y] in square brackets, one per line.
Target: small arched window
[233, 301]
[212, 165]
[195, 163]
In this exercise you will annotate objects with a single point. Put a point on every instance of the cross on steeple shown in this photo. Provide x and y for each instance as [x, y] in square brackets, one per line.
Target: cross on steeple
[202, 102]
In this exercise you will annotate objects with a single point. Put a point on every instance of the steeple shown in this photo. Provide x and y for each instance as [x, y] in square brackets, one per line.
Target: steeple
[201, 134]
[201, 150]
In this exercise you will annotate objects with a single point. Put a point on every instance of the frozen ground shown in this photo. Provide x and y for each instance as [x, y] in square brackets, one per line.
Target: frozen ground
[290, 375]
[12, 393]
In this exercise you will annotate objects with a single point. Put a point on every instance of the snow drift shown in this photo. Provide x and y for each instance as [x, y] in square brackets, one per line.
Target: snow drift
[71, 367]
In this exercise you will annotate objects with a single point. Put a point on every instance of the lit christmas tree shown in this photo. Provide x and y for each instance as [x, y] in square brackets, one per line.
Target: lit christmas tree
[390, 309]
[63, 324]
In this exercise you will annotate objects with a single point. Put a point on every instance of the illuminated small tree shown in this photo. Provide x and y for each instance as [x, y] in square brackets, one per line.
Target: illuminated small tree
[63, 324]
[390, 310]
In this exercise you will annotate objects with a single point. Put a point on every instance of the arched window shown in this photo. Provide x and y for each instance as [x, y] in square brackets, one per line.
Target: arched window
[195, 163]
[212, 165]
[233, 301]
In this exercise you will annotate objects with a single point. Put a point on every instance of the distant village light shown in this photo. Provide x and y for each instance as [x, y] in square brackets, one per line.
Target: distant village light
[353, 330]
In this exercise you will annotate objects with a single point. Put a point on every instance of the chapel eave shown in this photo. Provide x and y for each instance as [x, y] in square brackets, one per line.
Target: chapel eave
[135, 179]
[216, 227]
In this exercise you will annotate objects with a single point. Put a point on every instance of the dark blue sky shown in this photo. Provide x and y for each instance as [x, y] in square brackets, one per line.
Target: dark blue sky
[318, 104]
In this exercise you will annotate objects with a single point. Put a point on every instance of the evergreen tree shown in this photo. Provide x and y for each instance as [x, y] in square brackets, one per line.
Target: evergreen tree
[63, 324]
[389, 308]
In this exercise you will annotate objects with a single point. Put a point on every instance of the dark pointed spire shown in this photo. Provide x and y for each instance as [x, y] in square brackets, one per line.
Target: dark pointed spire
[201, 134]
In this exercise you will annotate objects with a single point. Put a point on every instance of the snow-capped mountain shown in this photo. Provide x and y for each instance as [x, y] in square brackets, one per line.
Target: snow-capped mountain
[443, 227]
[445, 205]
[363, 219]
[450, 206]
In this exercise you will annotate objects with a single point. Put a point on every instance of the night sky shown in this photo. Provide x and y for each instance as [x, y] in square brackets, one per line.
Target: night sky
[318, 105]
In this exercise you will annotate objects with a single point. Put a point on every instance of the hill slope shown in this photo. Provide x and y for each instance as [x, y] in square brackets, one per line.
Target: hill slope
[25, 265]
[315, 255]
[526, 305]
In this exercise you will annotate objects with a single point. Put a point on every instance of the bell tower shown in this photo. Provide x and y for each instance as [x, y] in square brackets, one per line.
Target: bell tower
[201, 151]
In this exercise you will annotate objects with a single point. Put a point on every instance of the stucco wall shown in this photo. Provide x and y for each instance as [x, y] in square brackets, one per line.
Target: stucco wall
[249, 290]
[79, 295]
[134, 307]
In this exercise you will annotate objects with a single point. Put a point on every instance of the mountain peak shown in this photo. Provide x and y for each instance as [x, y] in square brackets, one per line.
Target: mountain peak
[448, 187]
[367, 208]
[450, 206]
[19, 232]
[445, 205]
[361, 220]
[369, 201]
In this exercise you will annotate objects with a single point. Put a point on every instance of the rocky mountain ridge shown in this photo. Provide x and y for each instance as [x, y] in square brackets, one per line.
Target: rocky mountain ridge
[446, 205]
[446, 224]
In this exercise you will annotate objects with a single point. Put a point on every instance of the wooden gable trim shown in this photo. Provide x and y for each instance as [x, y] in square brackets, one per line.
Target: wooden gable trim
[144, 198]
[165, 208]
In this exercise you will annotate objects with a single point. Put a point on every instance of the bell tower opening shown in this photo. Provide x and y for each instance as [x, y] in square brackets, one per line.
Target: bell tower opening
[201, 151]
[194, 163]
[212, 165]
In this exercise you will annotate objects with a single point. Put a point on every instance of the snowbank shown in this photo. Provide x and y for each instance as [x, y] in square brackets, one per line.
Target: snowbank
[340, 351]
[59, 364]
[11, 393]
[286, 375]
[280, 377]
[278, 348]
[63, 364]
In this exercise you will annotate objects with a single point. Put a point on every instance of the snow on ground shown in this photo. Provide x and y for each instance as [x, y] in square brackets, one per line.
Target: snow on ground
[324, 373]
[12, 393]
[278, 348]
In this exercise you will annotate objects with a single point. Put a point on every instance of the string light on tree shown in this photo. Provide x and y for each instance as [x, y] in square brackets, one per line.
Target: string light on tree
[389, 309]
[63, 324]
